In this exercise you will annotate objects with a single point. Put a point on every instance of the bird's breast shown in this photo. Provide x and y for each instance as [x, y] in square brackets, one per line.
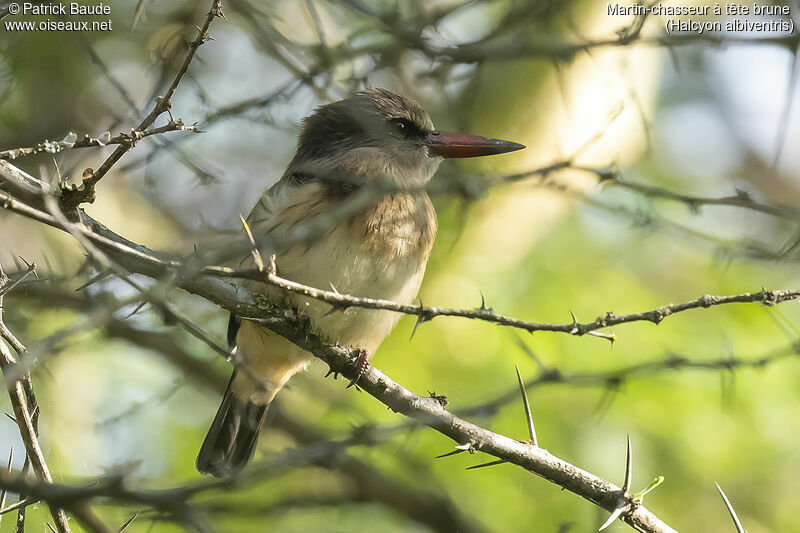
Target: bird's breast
[399, 226]
[379, 253]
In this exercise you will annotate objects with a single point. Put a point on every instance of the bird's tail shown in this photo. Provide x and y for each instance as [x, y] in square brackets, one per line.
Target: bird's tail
[232, 438]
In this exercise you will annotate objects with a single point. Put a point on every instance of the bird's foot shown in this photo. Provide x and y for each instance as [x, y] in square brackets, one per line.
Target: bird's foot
[362, 364]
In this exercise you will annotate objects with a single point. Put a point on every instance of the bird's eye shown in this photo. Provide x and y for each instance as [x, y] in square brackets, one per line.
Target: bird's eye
[403, 126]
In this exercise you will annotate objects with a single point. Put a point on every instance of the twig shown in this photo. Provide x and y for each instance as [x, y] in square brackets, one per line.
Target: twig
[11, 284]
[740, 199]
[158, 263]
[427, 313]
[431, 413]
[71, 141]
[28, 433]
[647, 219]
[163, 105]
[24, 502]
[4, 492]
[23, 403]
[172, 502]
[426, 502]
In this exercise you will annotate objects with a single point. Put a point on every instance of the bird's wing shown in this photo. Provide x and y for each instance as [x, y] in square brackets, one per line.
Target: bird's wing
[271, 201]
[285, 207]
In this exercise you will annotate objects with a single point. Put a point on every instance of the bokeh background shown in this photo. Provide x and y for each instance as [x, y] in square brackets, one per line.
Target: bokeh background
[705, 116]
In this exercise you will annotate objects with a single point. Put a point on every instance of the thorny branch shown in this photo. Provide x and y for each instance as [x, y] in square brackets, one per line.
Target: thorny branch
[169, 267]
[749, 248]
[137, 258]
[163, 342]
[145, 261]
[72, 198]
[20, 389]
[425, 504]
[694, 203]
[177, 504]
[610, 175]
[72, 141]
[378, 385]
[23, 400]
[408, 34]
[169, 347]
[427, 313]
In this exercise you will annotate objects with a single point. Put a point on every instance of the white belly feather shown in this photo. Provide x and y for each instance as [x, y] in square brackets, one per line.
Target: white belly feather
[338, 261]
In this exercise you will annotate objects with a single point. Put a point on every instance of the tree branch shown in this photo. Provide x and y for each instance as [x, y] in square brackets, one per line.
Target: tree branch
[159, 265]
[24, 405]
[286, 322]
[71, 141]
[163, 105]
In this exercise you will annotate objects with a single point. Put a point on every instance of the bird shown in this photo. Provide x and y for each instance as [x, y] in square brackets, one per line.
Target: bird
[378, 251]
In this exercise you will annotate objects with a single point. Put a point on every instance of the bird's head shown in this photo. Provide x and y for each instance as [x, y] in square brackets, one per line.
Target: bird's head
[380, 133]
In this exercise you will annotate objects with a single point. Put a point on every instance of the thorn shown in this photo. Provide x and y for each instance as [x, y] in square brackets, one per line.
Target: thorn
[734, 517]
[136, 309]
[614, 515]
[24, 502]
[29, 266]
[467, 447]
[525, 348]
[335, 308]
[483, 301]
[611, 337]
[416, 325]
[50, 526]
[575, 330]
[99, 276]
[11, 417]
[490, 463]
[448, 454]
[626, 486]
[9, 284]
[422, 316]
[625, 500]
[129, 522]
[254, 249]
[526, 404]
[61, 178]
